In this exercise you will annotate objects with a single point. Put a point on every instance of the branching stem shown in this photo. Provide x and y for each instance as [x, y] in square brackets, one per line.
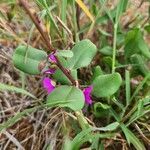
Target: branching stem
[45, 37]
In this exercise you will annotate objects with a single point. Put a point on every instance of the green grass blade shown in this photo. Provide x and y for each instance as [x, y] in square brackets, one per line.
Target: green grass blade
[135, 117]
[131, 138]
[16, 118]
[63, 14]
[110, 15]
[15, 89]
[43, 5]
[121, 7]
[128, 90]
[140, 86]
[75, 21]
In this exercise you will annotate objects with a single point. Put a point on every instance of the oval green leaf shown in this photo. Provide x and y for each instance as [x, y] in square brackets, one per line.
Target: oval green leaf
[28, 59]
[67, 96]
[60, 77]
[106, 85]
[101, 110]
[107, 50]
[83, 53]
[65, 53]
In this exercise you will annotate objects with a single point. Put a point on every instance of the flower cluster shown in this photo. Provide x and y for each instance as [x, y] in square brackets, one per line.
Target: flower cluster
[49, 85]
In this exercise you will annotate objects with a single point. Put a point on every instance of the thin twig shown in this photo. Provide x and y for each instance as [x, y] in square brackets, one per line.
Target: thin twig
[37, 23]
[141, 133]
[14, 140]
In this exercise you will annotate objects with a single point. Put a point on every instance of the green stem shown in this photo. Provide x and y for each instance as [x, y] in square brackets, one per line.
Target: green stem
[81, 119]
[114, 47]
[75, 22]
[63, 16]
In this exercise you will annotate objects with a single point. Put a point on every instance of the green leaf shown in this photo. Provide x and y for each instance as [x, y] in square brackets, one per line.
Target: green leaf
[140, 107]
[80, 138]
[60, 77]
[146, 100]
[131, 138]
[97, 71]
[100, 109]
[105, 17]
[96, 144]
[147, 28]
[139, 64]
[15, 89]
[65, 53]
[144, 47]
[107, 61]
[134, 43]
[121, 7]
[67, 96]
[106, 85]
[28, 59]
[131, 42]
[107, 50]
[67, 143]
[109, 14]
[109, 127]
[63, 61]
[83, 53]
[88, 136]
[120, 39]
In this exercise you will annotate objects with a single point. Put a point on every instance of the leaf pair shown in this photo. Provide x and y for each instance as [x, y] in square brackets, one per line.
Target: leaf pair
[67, 96]
[83, 53]
[28, 59]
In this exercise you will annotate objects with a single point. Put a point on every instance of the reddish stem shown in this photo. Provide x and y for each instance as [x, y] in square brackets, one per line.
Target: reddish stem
[45, 37]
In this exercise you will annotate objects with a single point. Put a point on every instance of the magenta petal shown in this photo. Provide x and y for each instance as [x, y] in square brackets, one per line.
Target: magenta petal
[87, 94]
[52, 57]
[49, 71]
[47, 84]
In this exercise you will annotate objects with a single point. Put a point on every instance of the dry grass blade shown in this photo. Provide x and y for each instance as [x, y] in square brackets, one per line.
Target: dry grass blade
[85, 9]
[14, 140]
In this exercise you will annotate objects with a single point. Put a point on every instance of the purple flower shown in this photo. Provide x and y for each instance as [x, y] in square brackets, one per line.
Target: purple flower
[87, 94]
[49, 71]
[52, 57]
[47, 84]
